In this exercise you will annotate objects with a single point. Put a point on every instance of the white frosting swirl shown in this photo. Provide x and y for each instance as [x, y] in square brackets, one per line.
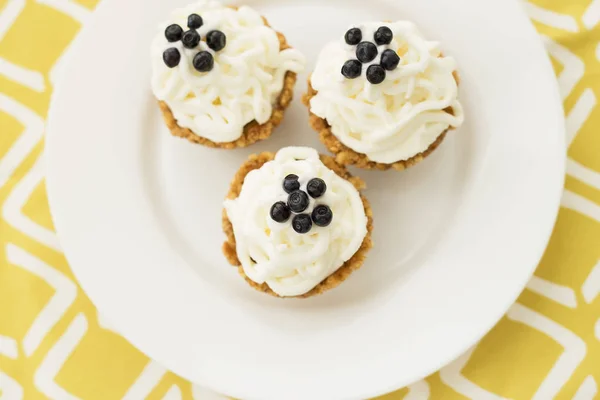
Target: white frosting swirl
[245, 82]
[272, 252]
[403, 115]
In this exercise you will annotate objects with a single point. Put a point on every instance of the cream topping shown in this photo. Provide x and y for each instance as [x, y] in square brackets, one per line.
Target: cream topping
[245, 82]
[272, 252]
[403, 115]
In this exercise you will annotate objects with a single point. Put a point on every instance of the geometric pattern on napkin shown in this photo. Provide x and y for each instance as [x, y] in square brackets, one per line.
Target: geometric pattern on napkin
[53, 343]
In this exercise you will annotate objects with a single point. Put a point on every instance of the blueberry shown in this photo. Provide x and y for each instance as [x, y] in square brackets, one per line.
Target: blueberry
[195, 21]
[298, 201]
[353, 36]
[375, 74]
[216, 40]
[203, 61]
[383, 35]
[302, 223]
[173, 33]
[290, 183]
[366, 52]
[316, 187]
[322, 215]
[389, 60]
[171, 57]
[352, 69]
[280, 212]
[190, 39]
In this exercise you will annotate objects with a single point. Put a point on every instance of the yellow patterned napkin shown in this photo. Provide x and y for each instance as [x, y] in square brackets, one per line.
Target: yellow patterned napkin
[54, 345]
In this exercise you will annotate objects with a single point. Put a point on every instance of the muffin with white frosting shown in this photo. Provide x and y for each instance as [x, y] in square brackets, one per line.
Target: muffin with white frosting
[296, 222]
[382, 96]
[223, 77]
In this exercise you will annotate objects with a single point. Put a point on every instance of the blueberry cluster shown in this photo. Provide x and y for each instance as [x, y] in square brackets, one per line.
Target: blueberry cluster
[367, 51]
[298, 202]
[203, 61]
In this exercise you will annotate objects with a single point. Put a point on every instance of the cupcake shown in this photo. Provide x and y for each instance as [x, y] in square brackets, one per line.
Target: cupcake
[223, 77]
[382, 96]
[296, 222]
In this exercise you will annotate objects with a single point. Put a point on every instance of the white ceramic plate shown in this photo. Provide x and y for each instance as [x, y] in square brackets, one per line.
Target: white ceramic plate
[456, 238]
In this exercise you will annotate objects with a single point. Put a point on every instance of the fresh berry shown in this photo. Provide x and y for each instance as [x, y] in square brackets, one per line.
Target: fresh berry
[316, 187]
[322, 215]
[190, 39]
[389, 60]
[302, 223]
[353, 36]
[171, 57]
[280, 212]
[203, 61]
[173, 33]
[383, 35]
[195, 21]
[290, 183]
[216, 40]
[375, 74]
[366, 52]
[298, 201]
[352, 69]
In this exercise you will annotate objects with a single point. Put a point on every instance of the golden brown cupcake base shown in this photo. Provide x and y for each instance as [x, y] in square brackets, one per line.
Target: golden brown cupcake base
[253, 131]
[346, 156]
[256, 161]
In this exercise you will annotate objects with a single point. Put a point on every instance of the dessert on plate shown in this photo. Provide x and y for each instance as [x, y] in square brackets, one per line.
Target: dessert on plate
[382, 96]
[296, 222]
[223, 77]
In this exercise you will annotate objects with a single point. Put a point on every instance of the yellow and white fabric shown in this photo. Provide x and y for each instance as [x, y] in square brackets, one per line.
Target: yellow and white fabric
[54, 345]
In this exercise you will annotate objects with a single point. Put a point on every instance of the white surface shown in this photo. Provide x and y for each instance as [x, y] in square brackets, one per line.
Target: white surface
[456, 238]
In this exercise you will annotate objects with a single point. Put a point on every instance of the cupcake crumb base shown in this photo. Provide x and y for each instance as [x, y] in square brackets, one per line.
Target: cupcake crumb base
[256, 161]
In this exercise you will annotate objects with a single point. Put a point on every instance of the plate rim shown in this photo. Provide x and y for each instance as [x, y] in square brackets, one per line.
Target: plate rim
[58, 221]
